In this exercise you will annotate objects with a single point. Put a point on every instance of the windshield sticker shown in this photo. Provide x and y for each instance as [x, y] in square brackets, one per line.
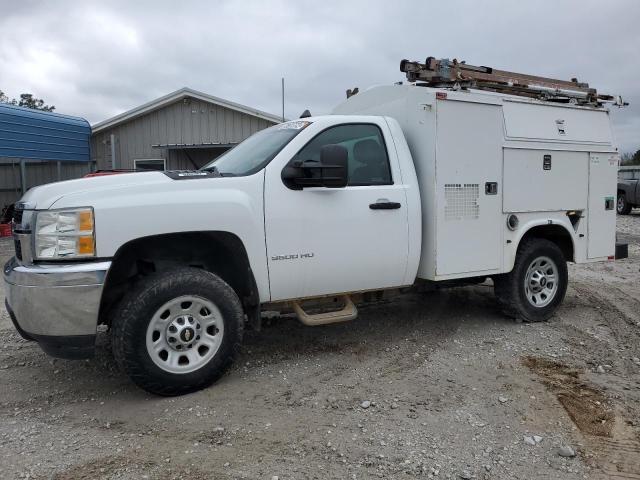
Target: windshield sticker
[295, 125]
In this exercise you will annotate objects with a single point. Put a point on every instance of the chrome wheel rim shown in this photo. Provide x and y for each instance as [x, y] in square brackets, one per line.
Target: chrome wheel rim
[541, 282]
[620, 204]
[184, 334]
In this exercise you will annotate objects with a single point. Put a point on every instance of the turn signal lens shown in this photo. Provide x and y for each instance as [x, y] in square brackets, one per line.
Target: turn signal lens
[85, 221]
[86, 246]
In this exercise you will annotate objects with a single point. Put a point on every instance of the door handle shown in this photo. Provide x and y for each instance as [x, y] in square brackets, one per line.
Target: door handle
[384, 205]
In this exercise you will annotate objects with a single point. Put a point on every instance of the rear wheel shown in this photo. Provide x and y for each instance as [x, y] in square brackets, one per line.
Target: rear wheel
[536, 286]
[623, 207]
[177, 331]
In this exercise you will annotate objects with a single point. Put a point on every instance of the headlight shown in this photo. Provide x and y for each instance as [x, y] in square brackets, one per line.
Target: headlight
[65, 234]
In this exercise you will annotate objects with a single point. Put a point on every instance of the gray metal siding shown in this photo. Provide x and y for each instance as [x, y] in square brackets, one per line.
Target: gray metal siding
[193, 123]
[37, 174]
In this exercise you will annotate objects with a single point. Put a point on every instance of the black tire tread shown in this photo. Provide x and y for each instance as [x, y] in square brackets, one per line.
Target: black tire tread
[627, 206]
[506, 286]
[145, 293]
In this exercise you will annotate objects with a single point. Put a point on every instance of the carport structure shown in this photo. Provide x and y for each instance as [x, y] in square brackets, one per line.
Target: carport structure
[38, 147]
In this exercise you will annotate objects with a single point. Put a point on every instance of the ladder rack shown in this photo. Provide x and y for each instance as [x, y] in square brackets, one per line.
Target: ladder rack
[459, 75]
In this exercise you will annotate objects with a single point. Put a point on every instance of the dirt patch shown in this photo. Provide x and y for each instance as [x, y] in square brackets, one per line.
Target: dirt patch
[589, 409]
[102, 468]
[612, 438]
[115, 466]
[587, 413]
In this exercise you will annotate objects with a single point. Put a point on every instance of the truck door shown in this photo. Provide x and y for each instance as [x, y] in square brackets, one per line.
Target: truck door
[324, 241]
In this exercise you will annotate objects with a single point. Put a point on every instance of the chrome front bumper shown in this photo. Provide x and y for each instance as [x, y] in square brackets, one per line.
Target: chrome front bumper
[56, 305]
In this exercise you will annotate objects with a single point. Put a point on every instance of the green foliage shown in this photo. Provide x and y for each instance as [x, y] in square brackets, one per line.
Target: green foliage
[5, 99]
[629, 158]
[27, 100]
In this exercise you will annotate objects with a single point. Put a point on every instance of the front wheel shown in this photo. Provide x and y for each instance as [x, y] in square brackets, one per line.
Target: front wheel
[177, 331]
[623, 207]
[536, 286]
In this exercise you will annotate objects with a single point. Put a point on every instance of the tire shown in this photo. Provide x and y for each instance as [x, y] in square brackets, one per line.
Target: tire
[526, 292]
[623, 207]
[193, 316]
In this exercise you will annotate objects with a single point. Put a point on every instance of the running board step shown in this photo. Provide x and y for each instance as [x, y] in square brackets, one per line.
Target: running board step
[348, 312]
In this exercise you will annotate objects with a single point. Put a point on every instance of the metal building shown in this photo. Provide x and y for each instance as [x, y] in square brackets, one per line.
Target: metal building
[182, 130]
[38, 147]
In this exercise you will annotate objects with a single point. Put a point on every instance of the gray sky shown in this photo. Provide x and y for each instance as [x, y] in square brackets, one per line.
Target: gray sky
[97, 59]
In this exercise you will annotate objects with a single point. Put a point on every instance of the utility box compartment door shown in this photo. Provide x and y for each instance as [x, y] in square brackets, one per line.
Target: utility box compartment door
[544, 180]
[556, 123]
[603, 178]
[469, 187]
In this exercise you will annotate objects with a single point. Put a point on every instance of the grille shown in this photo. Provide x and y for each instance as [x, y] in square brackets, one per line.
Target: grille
[16, 220]
[17, 216]
[16, 243]
[461, 201]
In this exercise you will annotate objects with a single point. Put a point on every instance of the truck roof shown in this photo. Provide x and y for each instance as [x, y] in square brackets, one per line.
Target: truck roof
[483, 96]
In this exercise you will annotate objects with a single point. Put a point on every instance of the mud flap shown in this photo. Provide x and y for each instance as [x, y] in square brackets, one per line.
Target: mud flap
[622, 251]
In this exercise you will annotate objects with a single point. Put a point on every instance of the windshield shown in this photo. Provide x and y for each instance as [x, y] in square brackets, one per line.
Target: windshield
[258, 150]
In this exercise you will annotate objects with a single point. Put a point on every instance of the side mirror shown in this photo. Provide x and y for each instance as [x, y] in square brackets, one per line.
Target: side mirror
[330, 172]
[333, 161]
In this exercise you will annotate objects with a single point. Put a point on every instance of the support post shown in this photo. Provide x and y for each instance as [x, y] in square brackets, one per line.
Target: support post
[283, 99]
[23, 176]
[59, 167]
[113, 152]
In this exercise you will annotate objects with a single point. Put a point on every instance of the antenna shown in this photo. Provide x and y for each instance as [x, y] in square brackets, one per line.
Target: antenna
[283, 99]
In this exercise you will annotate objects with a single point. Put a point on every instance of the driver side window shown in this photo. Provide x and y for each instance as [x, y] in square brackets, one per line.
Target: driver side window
[368, 161]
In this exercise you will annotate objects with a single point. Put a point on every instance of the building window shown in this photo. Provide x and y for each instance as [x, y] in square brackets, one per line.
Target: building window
[143, 164]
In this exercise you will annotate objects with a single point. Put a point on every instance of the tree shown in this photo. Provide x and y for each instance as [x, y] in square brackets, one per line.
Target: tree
[629, 158]
[5, 99]
[27, 100]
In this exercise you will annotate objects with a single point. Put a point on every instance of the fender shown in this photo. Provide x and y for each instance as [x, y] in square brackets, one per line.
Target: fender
[631, 189]
[223, 204]
[555, 220]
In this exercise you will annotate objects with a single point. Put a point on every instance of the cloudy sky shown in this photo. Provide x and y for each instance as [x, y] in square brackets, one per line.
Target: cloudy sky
[97, 59]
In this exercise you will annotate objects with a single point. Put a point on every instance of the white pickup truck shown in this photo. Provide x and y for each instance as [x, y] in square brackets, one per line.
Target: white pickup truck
[402, 185]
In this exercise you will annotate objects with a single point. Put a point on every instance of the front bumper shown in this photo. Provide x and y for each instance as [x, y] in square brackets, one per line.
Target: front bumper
[56, 305]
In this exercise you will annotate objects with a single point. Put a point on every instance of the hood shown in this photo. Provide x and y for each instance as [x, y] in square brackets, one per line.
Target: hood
[45, 196]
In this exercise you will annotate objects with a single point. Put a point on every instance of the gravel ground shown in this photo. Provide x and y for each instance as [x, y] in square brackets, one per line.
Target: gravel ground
[438, 385]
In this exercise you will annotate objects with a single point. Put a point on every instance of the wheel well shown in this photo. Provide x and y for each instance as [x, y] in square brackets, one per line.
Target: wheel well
[556, 234]
[221, 253]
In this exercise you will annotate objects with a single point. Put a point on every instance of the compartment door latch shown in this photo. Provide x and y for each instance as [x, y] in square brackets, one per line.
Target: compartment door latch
[609, 203]
[491, 188]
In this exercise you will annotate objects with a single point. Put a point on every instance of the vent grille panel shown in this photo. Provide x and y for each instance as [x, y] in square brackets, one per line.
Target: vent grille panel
[17, 216]
[461, 201]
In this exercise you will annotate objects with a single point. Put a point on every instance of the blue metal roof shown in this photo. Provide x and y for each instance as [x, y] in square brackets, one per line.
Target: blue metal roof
[31, 134]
